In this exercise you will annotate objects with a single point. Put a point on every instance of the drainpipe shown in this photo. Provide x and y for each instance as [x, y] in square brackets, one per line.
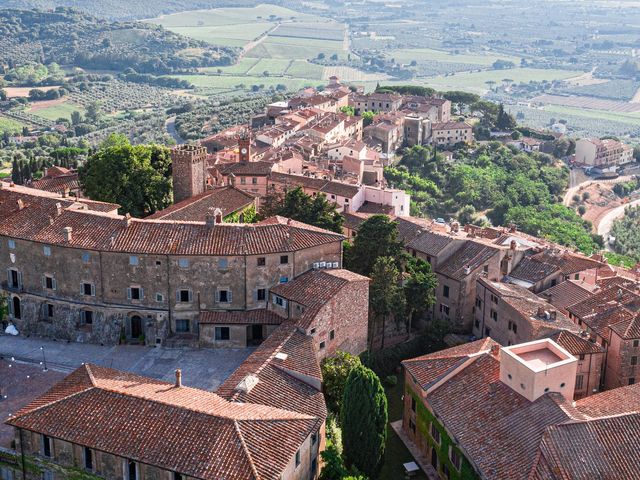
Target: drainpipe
[24, 467]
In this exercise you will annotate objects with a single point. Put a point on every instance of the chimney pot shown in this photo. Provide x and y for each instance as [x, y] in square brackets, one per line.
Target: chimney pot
[495, 349]
[178, 378]
[68, 233]
[58, 209]
[20, 204]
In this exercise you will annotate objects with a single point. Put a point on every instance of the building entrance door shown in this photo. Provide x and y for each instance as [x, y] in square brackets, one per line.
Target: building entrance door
[136, 327]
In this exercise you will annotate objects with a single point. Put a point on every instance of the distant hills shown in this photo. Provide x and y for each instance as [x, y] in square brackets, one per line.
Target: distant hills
[70, 37]
[129, 9]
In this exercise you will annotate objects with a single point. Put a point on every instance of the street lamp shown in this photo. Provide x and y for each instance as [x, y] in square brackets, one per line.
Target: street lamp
[44, 359]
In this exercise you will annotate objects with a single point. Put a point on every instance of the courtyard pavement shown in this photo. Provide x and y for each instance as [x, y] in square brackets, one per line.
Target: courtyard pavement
[201, 368]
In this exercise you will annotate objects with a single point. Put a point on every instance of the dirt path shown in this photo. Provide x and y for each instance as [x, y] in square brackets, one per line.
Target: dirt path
[568, 196]
[251, 45]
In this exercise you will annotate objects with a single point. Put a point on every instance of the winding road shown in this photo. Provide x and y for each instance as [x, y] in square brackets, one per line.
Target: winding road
[170, 127]
[604, 227]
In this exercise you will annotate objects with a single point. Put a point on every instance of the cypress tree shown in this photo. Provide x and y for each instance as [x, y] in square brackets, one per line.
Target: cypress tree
[364, 421]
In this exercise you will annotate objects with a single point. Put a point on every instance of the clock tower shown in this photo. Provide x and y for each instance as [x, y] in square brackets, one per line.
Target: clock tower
[244, 146]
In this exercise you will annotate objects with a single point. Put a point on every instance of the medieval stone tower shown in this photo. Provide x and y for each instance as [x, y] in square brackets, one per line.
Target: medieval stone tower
[189, 171]
[244, 146]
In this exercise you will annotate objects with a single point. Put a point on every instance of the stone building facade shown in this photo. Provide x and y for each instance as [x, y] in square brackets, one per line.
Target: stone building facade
[80, 275]
[189, 167]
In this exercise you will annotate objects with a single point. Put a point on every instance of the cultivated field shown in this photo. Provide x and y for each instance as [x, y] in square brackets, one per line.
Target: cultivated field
[588, 102]
[54, 112]
[476, 81]
[10, 125]
[17, 92]
[428, 54]
[279, 44]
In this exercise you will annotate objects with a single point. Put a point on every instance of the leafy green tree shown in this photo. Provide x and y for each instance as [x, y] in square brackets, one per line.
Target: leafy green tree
[315, 211]
[377, 237]
[348, 110]
[505, 121]
[335, 370]
[367, 118]
[138, 178]
[364, 421]
[419, 288]
[386, 297]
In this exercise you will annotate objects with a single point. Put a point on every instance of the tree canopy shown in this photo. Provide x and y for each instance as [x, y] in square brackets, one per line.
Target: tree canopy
[138, 178]
[335, 371]
[364, 421]
[316, 211]
[377, 237]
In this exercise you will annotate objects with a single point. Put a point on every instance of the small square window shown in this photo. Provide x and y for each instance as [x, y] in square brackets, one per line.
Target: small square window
[49, 310]
[49, 282]
[254, 181]
[322, 345]
[158, 263]
[159, 297]
[284, 259]
[634, 360]
[261, 262]
[312, 331]
[184, 296]
[261, 294]
[133, 260]
[284, 279]
[413, 404]
[135, 293]
[183, 262]
[636, 343]
[12, 244]
[445, 291]
[435, 433]
[88, 289]
[222, 333]
[86, 258]
[183, 326]
[224, 296]
[223, 263]
[86, 317]
[297, 458]
[46, 250]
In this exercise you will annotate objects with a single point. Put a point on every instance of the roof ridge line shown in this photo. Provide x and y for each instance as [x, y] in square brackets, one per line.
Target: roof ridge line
[254, 470]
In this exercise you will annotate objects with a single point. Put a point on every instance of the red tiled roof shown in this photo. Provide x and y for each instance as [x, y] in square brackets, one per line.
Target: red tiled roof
[569, 263]
[315, 288]
[466, 260]
[245, 168]
[182, 429]
[429, 368]
[429, 243]
[228, 199]
[58, 184]
[40, 222]
[575, 344]
[249, 317]
[533, 271]
[281, 377]
[617, 401]
[566, 293]
[597, 449]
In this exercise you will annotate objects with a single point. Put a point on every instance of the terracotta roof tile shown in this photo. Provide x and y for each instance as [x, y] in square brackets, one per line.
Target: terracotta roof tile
[41, 221]
[194, 432]
[228, 199]
[249, 317]
[533, 271]
[575, 344]
[466, 260]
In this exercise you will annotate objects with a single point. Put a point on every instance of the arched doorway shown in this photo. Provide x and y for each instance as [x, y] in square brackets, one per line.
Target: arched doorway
[136, 327]
[434, 459]
[17, 313]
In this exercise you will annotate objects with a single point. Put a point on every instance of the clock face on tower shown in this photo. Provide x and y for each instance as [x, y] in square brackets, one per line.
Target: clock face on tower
[243, 151]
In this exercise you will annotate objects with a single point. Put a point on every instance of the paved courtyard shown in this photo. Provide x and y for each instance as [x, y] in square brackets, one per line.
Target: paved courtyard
[19, 384]
[201, 368]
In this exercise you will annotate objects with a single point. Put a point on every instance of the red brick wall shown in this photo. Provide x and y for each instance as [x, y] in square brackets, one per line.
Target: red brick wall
[347, 315]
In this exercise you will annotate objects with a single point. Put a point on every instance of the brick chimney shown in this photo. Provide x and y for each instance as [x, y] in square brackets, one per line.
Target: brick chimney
[58, 209]
[178, 378]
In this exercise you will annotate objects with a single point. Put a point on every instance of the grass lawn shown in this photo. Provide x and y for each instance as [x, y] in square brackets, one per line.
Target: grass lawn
[10, 125]
[55, 112]
[475, 82]
[425, 54]
[396, 453]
